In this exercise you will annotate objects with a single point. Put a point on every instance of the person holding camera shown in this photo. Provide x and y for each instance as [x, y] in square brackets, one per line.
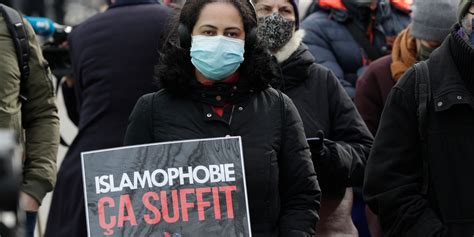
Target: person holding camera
[27, 105]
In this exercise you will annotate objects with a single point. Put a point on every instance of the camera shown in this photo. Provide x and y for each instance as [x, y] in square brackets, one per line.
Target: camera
[54, 51]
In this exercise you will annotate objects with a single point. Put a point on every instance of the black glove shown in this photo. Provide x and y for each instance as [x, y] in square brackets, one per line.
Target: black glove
[326, 167]
[316, 144]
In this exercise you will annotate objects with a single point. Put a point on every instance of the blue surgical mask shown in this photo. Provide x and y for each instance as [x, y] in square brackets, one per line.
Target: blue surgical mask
[217, 57]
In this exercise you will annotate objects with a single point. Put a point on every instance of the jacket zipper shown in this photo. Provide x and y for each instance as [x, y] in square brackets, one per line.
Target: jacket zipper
[230, 120]
[231, 115]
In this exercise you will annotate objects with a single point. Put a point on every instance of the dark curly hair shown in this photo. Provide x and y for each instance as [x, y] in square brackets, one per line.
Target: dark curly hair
[175, 70]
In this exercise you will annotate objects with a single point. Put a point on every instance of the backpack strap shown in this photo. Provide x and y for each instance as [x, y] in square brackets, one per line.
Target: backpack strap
[19, 34]
[423, 96]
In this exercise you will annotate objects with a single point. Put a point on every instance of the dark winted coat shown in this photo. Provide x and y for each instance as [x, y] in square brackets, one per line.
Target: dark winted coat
[334, 46]
[394, 175]
[324, 105]
[283, 191]
[113, 56]
[372, 91]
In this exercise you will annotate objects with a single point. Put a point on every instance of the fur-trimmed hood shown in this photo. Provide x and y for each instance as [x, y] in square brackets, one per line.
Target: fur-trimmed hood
[294, 60]
[286, 51]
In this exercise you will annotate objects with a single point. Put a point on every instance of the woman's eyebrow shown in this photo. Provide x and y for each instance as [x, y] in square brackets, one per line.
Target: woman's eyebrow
[208, 26]
[232, 28]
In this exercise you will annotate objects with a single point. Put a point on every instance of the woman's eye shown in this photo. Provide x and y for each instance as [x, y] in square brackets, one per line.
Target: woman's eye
[264, 11]
[286, 12]
[208, 33]
[231, 34]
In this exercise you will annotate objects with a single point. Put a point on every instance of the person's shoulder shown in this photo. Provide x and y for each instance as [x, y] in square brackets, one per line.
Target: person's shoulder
[319, 69]
[140, 10]
[407, 81]
[406, 87]
[381, 62]
[320, 23]
[376, 69]
[270, 91]
[273, 95]
[163, 93]
[320, 15]
[86, 25]
[319, 74]
[317, 18]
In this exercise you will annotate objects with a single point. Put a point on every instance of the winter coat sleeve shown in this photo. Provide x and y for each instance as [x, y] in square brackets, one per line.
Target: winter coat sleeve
[348, 142]
[41, 124]
[299, 189]
[394, 170]
[318, 45]
[139, 130]
[368, 100]
[70, 101]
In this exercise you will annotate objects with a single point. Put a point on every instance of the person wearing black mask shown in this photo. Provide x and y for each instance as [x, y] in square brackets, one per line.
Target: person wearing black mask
[340, 141]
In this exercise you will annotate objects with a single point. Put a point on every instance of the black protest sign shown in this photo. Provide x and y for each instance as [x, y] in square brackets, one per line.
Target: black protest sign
[175, 189]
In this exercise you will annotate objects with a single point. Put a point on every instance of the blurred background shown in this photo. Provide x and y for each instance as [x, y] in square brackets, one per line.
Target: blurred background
[65, 12]
[69, 12]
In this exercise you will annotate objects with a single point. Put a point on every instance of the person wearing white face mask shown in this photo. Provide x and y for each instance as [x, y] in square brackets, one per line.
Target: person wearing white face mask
[215, 79]
[343, 141]
[419, 173]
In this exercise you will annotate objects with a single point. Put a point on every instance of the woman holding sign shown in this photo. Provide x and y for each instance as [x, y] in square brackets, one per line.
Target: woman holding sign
[215, 77]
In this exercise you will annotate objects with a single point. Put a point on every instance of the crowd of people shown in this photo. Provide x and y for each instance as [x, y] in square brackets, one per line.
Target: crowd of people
[355, 115]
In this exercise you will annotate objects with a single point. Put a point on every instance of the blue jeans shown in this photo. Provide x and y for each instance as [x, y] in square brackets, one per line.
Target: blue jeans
[358, 213]
[30, 223]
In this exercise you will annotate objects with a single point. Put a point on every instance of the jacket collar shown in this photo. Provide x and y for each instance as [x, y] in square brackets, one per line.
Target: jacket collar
[448, 88]
[295, 70]
[286, 51]
[221, 94]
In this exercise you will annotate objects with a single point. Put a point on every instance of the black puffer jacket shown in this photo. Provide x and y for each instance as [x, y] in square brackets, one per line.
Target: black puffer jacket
[283, 191]
[324, 105]
[395, 169]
